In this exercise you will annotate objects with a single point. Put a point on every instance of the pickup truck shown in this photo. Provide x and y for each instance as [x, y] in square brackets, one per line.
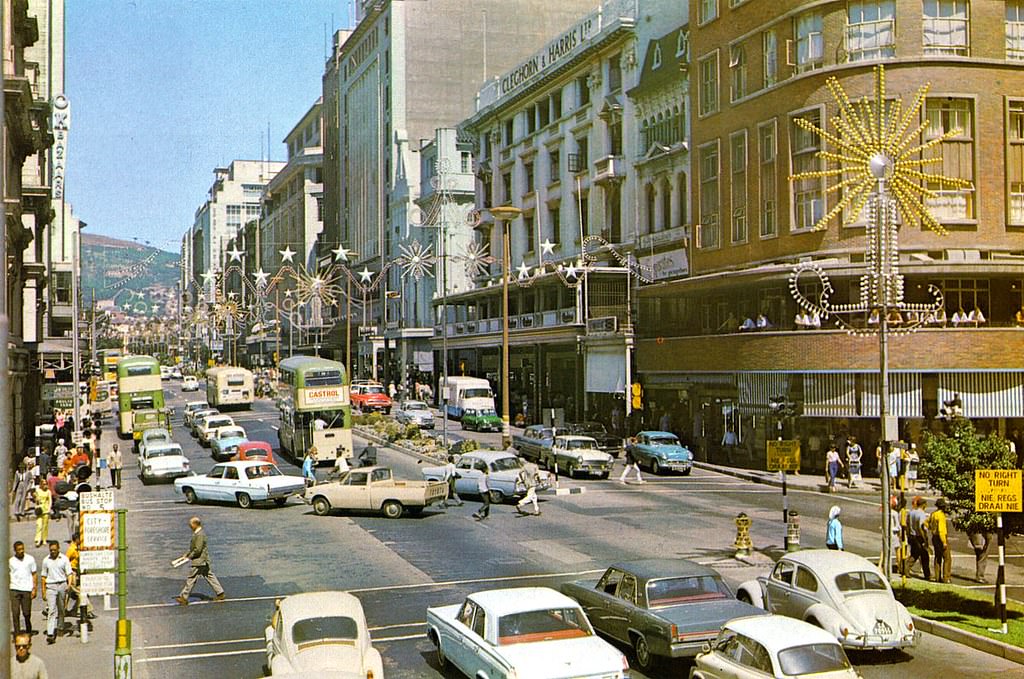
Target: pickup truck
[369, 398]
[375, 489]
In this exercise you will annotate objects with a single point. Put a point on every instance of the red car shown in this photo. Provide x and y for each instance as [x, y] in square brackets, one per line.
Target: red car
[255, 450]
[370, 398]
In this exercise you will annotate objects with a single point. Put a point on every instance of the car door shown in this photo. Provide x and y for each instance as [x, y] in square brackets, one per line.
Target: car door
[805, 592]
[207, 487]
[230, 485]
[779, 588]
[458, 646]
[622, 607]
[599, 604]
[356, 490]
[469, 481]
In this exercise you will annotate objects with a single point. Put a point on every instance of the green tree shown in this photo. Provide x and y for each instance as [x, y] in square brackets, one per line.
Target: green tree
[949, 461]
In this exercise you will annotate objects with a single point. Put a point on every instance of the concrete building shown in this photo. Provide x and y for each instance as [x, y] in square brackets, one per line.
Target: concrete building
[759, 67]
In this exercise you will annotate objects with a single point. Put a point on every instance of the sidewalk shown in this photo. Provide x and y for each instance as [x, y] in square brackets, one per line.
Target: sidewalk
[815, 482]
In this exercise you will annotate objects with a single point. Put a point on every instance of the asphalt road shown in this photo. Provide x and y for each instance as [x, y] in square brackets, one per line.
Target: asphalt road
[399, 568]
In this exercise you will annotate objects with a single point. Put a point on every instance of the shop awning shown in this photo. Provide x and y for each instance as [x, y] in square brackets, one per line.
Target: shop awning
[985, 394]
[830, 395]
[756, 390]
[904, 395]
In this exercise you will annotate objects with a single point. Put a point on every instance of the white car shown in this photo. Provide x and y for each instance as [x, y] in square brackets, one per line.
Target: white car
[208, 426]
[503, 469]
[161, 461]
[317, 632]
[840, 592]
[196, 416]
[244, 482]
[415, 412]
[578, 455]
[189, 383]
[191, 408]
[532, 632]
[772, 646]
[156, 436]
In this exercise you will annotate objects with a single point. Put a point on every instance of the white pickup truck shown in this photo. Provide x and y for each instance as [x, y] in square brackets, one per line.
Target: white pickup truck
[375, 489]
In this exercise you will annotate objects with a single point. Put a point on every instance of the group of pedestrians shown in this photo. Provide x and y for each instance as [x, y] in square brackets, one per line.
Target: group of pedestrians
[55, 580]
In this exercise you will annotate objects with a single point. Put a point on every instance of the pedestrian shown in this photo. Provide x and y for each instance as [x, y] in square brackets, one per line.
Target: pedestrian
[834, 529]
[940, 541]
[43, 499]
[630, 465]
[75, 592]
[450, 475]
[199, 555]
[833, 463]
[55, 573]
[917, 534]
[60, 453]
[309, 466]
[24, 665]
[23, 584]
[980, 540]
[20, 492]
[483, 487]
[116, 463]
[854, 453]
[529, 481]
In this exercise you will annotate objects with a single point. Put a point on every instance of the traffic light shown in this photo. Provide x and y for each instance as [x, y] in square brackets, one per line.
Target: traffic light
[637, 393]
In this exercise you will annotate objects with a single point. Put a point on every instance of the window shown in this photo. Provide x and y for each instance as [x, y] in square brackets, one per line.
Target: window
[507, 129]
[615, 73]
[766, 135]
[738, 185]
[682, 44]
[61, 283]
[682, 188]
[770, 58]
[555, 220]
[708, 234]
[871, 30]
[252, 191]
[555, 102]
[709, 84]
[944, 115]
[543, 114]
[806, 580]
[708, 11]
[810, 45]
[666, 205]
[656, 59]
[506, 186]
[738, 71]
[531, 119]
[555, 164]
[1015, 161]
[466, 162]
[479, 623]
[529, 226]
[946, 27]
[964, 294]
[528, 178]
[234, 213]
[583, 151]
[584, 215]
[1015, 30]
[784, 572]
[615, 137]
[808, 195]
[582, 91]
[652, 208]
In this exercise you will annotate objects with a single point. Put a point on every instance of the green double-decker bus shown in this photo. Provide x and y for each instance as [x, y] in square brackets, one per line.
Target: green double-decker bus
[315, 410]
[138, 388]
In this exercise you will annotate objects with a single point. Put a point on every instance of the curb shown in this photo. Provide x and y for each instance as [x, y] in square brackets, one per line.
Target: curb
[770, 479]
[975, 641]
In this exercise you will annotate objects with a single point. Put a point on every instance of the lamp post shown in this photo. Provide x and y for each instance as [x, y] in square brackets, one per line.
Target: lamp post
[505, 214]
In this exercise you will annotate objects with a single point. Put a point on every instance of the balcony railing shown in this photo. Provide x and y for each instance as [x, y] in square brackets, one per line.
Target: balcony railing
[609, 169]
[535, 320]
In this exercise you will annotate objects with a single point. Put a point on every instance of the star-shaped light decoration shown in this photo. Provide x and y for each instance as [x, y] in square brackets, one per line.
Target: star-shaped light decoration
[547, 247]
[261, 277]
[318, 285]
[207, 276]
[235, 254]
[341, 253]
[570, 271]
[524, 271]
[416, 260]
[477, 259]
[365, 276]
[287, 255]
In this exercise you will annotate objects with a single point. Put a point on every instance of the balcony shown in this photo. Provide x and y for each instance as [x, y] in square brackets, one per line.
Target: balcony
[609, 170]
[557, 318]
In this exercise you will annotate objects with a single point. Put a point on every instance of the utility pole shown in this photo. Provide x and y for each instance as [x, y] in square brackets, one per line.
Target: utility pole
[76, 350]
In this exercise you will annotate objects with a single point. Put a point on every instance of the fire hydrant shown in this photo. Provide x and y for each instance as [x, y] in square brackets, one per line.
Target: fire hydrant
[743, 544]
[793, 532]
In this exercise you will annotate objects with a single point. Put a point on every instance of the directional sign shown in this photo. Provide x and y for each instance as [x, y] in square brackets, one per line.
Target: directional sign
[98, 583]
[997, 490]
[97, 530]
[783, 456]
[96, 501]
[97, 560]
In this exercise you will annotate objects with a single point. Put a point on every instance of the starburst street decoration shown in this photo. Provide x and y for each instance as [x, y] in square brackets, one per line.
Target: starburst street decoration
[477, 259]
[416, 260]
[321, 285]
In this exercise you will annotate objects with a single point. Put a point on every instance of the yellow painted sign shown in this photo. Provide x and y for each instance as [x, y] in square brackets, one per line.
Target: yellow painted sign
[997, 490]
[783, 456]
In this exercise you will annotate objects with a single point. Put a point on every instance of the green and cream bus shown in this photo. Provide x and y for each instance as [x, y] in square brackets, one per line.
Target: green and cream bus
[229, 387]
[138, 388]
[315, 410]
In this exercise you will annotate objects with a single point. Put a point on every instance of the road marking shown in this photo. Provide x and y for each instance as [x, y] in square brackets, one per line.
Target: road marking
[195, 656]
[384, 640]
[203, 643]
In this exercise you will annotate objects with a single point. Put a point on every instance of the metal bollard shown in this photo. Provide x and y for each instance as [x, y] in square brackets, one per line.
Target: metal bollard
[742, 544]
[793, 532]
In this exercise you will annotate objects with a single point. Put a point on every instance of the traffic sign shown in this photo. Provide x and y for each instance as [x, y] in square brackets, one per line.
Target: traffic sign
[97, 560]
[997, 490]
[95, 584]
[783, 456]
[96, 501]
[97, 530]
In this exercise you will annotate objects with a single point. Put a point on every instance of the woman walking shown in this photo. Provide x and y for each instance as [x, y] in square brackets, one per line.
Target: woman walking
[309, 466]
[43, 499]
[20, 491]
[834, 529]
[833, 463]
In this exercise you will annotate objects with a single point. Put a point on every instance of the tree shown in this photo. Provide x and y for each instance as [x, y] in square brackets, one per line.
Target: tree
[949, 461]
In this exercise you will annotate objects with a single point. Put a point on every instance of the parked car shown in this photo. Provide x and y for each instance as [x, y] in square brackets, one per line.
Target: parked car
[176, 373]
[606, 441]
[481, 419]
[156, 436]
[578, 455]
[370, 398]
[190, 383]
[415, 412]
[375, 489]
[321, 634]
[503, 471]
[840, 592]
[532, 632]
[191, 408]
[226, 442]
[661, 451]
[665, 608]
[772, 646]
[254, 450]
[534, 443]
[197, 417]
[162, 461]
[244, 482]
[206, 431]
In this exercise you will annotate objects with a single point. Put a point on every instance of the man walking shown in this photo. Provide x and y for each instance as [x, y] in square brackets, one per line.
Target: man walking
[528, 481]
[24, 665]
[23, 587]
[917, 529]
[631, 465]
[116, 462]
[940, 541]
[200, 557]
[55, 572]
[980, 540]
[449, 476]
[485, 497]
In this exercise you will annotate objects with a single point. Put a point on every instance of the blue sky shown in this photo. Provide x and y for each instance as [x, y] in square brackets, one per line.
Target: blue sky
[163, 91]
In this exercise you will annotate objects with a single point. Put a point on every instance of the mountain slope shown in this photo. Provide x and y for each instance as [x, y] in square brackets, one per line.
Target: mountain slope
[135, 275]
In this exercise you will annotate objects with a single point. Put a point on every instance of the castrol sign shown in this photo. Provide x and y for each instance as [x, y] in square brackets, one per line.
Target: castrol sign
[320, 397]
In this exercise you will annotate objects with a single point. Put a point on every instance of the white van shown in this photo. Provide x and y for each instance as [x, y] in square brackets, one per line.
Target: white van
[467, 392]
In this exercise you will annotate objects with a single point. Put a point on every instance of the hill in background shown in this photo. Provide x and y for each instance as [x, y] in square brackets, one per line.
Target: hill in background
[147, 275]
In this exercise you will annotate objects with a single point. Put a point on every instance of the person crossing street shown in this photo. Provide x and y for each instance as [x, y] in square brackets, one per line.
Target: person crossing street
[116, 462]
[55, 573]
[199, 555]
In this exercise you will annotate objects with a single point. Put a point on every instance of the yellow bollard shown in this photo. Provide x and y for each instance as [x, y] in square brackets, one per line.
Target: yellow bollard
[743, 544]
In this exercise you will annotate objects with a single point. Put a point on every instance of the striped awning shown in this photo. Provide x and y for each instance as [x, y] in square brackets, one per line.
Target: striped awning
[830, 395]
[988, 394]
[904, 395]
[756, 390]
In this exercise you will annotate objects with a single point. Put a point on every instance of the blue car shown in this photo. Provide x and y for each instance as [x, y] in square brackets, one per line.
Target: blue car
[661, 451]
[226, 442]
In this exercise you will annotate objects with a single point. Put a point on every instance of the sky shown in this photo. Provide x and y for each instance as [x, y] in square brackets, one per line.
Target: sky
[164, 91]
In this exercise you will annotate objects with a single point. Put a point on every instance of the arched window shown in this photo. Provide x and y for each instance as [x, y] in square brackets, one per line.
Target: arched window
[666, 205]
[651, 198]
[682, 189]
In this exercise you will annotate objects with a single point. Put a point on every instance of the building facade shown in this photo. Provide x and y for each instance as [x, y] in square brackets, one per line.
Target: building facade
[758, 68]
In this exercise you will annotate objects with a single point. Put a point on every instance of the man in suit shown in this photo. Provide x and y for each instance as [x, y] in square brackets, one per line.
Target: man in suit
[200, 557]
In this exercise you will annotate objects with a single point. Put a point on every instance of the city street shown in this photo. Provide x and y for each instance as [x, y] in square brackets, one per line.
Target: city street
[399, 568]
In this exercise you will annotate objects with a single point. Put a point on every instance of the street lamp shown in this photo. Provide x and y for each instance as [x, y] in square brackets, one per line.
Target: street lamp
[505, 214]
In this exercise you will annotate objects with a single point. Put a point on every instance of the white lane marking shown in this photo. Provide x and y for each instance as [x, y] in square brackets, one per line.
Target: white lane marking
[195, 656]
[274, 427]
[384, 640]
[203, 643]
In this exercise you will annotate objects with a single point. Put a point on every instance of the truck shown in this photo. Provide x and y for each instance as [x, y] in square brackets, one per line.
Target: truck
[375, 489]
[461, 393]
[369, 398]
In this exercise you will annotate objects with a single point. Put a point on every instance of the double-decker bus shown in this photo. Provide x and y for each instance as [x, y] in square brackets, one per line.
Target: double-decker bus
[138, 388]
[315, 408]
[108, 364]
[229, 387]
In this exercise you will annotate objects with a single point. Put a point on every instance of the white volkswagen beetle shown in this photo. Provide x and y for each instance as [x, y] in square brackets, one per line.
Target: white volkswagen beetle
[315, 633]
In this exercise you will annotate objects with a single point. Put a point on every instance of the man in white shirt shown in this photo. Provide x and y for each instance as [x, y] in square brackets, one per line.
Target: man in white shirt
[23, 587]
[55, 572]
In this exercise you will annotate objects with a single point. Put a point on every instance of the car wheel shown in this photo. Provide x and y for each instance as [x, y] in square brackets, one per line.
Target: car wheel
[496, 497]
[442, 661]
[244, 501]
[605, 475]
[145, 481]
[392, 509]
[570, 469]
[687, 472]
[321, 507]
[644, 659]
[655, 467]
[190, 496]
[279, 501]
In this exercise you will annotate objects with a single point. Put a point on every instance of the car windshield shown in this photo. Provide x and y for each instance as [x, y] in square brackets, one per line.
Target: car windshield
[581, 444]
[415, 406]
[478, 392]
[374, 390]
[503, 464]
[231, 432]
[484, 412]
[334, 629]
[545, 625]
[215, 424]
[260, 471]
[154, 435]
[812, 659]
[858, 581]
[672, 591]
[591, 428]
[163, 452]
[664, 441]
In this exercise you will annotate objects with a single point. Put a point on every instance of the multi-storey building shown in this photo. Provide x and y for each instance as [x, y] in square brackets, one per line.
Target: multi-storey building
[760, 67]
[406, 69]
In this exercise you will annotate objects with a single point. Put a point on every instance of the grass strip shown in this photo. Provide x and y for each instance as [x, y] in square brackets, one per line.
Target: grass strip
[968, 609]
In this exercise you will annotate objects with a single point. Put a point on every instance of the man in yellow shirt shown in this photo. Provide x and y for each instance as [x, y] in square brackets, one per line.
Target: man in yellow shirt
[940, 541]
